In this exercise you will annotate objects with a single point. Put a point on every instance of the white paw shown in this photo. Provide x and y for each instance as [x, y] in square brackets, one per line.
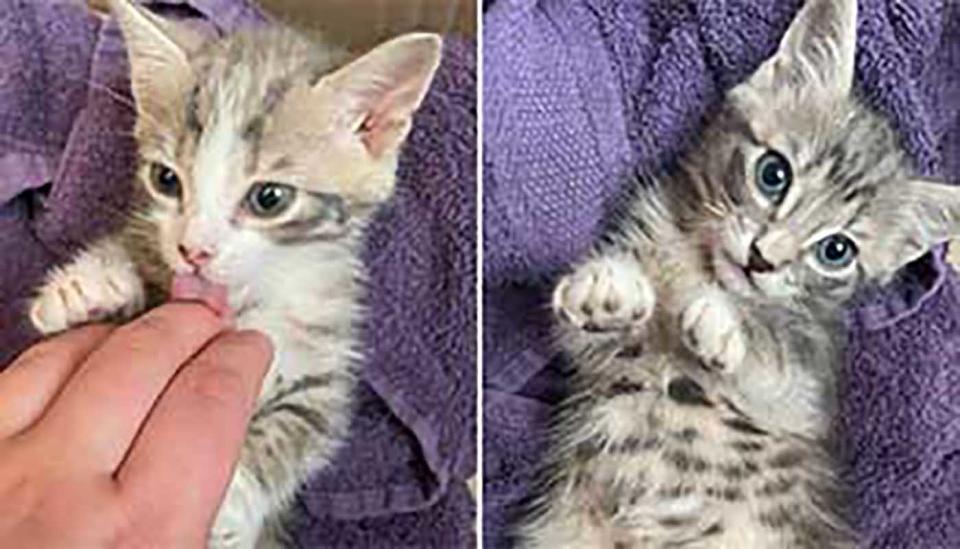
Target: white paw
[239, 519]
[607, 294]
[100, 283]
[712, 329]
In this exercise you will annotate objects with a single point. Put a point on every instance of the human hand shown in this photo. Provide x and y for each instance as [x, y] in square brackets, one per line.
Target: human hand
[125, 436]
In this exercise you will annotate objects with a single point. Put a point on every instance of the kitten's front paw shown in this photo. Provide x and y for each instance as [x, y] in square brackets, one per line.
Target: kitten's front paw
[712, 329]
[96, 286]
[605, 295]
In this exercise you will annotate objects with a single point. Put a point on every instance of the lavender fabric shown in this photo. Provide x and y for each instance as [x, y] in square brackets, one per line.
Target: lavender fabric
[578, 91]
[65, 165]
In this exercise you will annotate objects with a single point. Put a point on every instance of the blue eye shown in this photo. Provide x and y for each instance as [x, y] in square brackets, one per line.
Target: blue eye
[164, 180]
[269, 199]
[836, 251]
[773, 176]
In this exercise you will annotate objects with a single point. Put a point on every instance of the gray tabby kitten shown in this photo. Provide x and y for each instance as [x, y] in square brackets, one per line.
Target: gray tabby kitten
[263, 157]
[705, 330]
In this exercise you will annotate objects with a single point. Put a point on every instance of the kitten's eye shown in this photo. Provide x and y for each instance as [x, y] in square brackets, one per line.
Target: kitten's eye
[774, 175]
[269, 199]
[164, 180]
[836, 251]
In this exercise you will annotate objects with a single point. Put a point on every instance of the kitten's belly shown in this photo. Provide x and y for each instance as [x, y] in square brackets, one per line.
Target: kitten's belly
[661, 467]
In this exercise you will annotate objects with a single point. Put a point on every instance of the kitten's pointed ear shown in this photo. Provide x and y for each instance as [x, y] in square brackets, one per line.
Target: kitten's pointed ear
[817, 50]
[382, 89]
[910, 220]
[159, 68]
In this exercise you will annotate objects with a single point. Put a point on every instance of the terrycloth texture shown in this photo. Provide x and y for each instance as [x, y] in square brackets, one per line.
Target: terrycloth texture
[576, 91]
[400, 481]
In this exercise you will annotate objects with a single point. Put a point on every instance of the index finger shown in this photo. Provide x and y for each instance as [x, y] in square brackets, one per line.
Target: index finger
[191, 441]
[108, 399]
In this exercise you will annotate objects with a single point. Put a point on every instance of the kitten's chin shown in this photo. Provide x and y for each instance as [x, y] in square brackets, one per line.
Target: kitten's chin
[191, 287]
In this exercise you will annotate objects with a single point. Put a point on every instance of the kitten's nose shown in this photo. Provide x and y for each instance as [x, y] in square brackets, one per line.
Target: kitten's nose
[197, 257]
[756, 262]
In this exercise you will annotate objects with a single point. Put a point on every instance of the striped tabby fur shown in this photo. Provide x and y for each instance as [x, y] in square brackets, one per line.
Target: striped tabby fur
[224, 115]
[704, 331]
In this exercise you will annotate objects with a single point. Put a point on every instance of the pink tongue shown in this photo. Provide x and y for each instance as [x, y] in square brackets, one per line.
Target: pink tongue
[188, 287]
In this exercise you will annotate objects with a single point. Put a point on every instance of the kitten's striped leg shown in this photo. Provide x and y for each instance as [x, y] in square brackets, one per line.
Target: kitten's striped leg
[296, 429]
[101, 282]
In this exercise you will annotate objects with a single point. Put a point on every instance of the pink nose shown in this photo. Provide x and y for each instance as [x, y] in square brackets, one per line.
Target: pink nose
[197, 257]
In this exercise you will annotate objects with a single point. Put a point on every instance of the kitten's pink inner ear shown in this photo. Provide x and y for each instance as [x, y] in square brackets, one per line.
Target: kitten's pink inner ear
[385, 87]
[378, 133]
[388, 118]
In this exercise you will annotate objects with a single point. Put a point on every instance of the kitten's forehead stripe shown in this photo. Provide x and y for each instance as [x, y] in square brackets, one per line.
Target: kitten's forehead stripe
[275, 93]
[253, 129]
[862, 153]
[192, 111]
[248, 75]
[252, 134]
[281, 163]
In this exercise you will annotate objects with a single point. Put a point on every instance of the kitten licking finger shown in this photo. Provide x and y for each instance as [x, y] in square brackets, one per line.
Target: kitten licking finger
[263, 157]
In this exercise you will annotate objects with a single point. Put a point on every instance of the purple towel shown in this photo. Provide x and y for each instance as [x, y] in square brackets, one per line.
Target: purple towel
[65, 162]
[576, 90]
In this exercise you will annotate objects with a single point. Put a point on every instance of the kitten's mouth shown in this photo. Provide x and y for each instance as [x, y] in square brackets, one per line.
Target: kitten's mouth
[732, 276]
[193, 287]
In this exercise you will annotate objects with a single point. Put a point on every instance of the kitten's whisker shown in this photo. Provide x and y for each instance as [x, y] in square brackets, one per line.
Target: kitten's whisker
[116, 96]
[725, 201]
[141, 214]
[99, 86]
[719, 210]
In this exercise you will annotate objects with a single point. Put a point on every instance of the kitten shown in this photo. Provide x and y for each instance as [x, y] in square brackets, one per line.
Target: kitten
[263, 155]
[705, 330]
